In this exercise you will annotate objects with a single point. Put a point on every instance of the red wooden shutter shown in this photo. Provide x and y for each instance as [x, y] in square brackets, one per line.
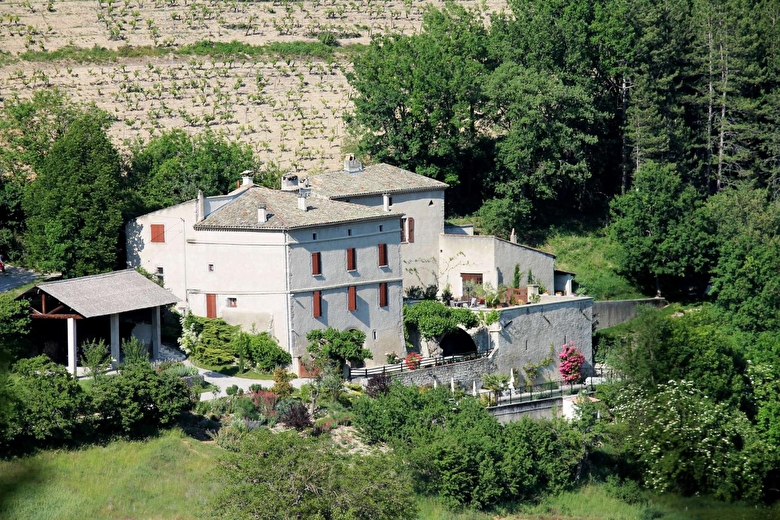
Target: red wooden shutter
[351, 259]
[211, 305]
[158, 232]
[317, 303]
[383, 294]
[410, 222]
[382, 255]
[316, 264]
[352, 298]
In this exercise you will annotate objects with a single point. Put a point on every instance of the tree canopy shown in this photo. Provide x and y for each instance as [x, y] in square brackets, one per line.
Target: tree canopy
[74, 207]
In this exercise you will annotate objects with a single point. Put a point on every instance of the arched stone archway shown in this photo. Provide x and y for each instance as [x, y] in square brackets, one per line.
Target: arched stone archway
[457, 343]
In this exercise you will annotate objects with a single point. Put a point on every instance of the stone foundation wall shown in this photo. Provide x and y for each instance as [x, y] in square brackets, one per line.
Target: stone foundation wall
[464, 374]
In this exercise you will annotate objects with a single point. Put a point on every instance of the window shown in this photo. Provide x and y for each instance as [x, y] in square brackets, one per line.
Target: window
[383, 294]
[211, 268]
[316, 264]
[349, 232]
[352, 298]
[382, 255]
[314, 236]
[407, 230]
[373, 334]
[351, 259]
[381, 227]
[389, 201]
[232, 302]
[316, 304]
[158, 233]
[160, 273]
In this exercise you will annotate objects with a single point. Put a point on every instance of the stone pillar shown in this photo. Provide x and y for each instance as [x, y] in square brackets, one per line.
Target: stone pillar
[72, 360]
[115, 338]
[156, 333]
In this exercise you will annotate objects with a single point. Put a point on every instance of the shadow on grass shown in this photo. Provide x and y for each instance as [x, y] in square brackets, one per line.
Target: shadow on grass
[18, 477]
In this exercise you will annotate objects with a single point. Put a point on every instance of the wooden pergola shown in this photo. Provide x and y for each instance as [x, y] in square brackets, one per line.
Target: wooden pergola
[108, 294]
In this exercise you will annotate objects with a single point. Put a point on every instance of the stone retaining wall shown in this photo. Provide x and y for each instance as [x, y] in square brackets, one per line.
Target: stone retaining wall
[614, 312]
[464, 374]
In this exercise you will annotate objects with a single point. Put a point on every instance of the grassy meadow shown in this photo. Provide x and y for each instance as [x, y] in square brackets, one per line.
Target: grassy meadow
[163, 477]
[170, 477]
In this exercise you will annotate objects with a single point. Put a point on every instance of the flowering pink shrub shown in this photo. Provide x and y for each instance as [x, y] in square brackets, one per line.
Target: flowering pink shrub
[571, 363]
[413, 360]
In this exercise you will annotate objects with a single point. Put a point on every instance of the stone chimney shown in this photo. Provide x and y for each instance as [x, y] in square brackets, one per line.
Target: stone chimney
[386, 202]
[246, 178]
[352, 165]
[200, 207]
[289, 182]
[513, 236]
[262, 214]
[303, 194]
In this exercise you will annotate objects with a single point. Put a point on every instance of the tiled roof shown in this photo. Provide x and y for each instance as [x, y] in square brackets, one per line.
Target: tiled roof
[376, 179]
[108, 293]
[282, 212]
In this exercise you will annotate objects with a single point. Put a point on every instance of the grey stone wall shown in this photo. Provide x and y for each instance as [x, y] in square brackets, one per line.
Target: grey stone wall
[464, 374]
[614, 312]
[526, 333]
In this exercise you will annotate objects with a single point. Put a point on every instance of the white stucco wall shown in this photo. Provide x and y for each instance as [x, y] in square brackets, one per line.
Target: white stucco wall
[492, 257]
[269, 274]
[427, 208]
[170, 255]
[535, 327]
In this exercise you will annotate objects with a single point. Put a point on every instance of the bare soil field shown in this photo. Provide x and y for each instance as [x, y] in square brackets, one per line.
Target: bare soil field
[288, 109]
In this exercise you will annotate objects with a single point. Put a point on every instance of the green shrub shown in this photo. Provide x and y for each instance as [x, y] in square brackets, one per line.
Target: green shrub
[286, 476]
[282, 386]
[135, 351]
[231, 390]
[48, 404]
[139, 400]
[266, 354]
[95, 357]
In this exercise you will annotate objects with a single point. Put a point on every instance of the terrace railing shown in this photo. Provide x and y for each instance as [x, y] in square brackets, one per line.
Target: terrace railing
[546, 390]
[424, 362]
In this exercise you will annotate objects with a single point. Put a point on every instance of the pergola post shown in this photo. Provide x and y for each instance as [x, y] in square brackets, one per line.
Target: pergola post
[115, 338]
[72, 360]
[156, 332]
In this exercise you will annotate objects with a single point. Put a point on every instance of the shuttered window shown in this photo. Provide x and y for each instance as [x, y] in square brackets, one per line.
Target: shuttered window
[407, 230]
[317, 304]
[352, 298]
[316, 264]
[382, 255]
[351, 259]
[158, 232]
[383, 294]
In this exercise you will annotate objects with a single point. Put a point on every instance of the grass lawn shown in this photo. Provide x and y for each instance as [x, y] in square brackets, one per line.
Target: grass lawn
[232, 370]
[164, 477]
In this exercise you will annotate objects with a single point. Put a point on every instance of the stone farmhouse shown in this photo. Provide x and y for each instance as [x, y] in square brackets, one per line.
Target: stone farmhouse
[339, 249]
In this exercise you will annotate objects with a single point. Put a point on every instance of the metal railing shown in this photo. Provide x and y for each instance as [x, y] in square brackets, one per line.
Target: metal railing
[546, 390]
[425, 362]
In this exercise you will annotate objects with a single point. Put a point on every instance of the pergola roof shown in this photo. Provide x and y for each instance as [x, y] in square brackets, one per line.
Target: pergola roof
[108, 293]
